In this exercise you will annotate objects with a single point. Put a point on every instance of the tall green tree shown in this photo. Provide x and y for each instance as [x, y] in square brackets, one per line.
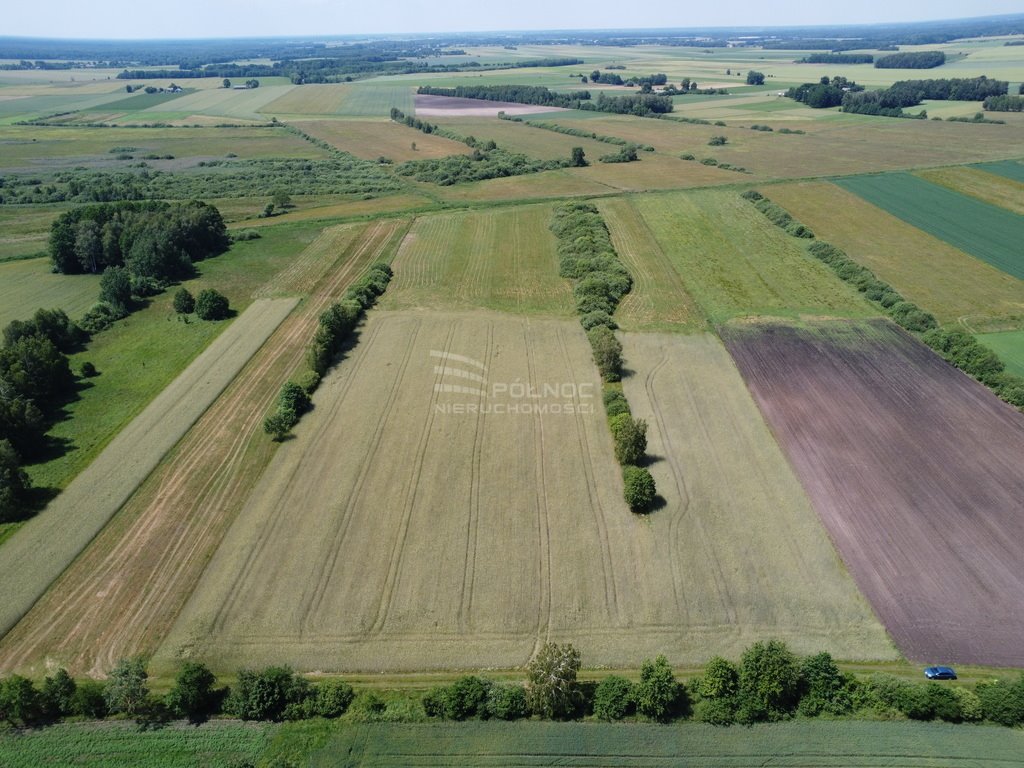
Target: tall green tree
[551, 674]
[658, 692]
[126, 690]
[193, 695]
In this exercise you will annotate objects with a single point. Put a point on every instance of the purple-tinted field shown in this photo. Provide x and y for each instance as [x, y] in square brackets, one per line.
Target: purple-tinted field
[916, 471]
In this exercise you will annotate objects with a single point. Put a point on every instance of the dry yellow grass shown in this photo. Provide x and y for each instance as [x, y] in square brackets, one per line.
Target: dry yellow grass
[933, 274]
[989, 187]
[371, 139]
[47, 544]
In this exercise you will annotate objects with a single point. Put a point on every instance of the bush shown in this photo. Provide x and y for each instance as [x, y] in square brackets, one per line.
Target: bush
[88, 700]
[598, 317]
[20, 702]
[58, 695]
[687, 156]
[265, 695]
[630, 436]
[752, 194]
[116, 289]
[331, 698]
[279, 423]
[639, 490]
[658, 693]
[99, 317]
[506, 701]
[797, 229]
[245, 234]
[607, 352]
[88, 370]
[184, 302]
[193, 695]
[1002, 701]
[718, 141]
[823, 688]
[769, 682]
[615, 403]
[613, 698]
[212, 305]
[309, 381]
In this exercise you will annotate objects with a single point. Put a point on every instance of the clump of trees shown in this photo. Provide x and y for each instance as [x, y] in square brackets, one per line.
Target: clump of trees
[755, 78]
[891, 101]
[837, 58]
[35, 381]
[625, 155]
[825, 93]
[1004, 103]
[472, 696]
[911, 60]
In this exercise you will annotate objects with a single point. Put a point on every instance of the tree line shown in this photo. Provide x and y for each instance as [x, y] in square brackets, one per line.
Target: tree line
[587, 256]
[891, 101]
[837, 58]
[641, 104]
[1004, 104]
[769, 683]
[911, 60]
[334, 329]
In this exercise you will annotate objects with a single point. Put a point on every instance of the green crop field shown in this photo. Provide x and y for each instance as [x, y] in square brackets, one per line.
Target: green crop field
[987, 187]
[809, 744]
[708, 235]
[989, 233]
[1011, 169]
[1009, 345]
[124, 745]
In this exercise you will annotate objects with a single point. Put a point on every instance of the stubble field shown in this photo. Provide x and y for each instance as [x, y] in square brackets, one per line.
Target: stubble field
[914, 469]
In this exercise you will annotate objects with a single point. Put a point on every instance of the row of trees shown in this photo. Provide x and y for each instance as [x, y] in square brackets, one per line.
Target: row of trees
[587, 256]
[911, 60]
[837, 58]
[769, 683]
[519, 94]
[334, 328]
[1004, 103]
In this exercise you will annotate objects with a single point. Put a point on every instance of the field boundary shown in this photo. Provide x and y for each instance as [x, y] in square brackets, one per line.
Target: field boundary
[47, 544]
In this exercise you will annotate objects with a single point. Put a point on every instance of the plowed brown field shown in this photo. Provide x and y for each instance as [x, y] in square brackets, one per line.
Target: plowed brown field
[122, 594]
[915, 470]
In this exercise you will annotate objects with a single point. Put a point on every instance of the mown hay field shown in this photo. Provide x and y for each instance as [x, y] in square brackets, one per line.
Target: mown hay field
[125, 745]
[930, 272]
[371, 139]
[462, 536]
[535, 186]
[28, 285]
[987, 187]
[914, 469]
[982, 230]
[503, 259]
[222, 102]
[48, 543]
[1009, 345]
[734, 262]
[121, 595]
[800, 744]
[370, 98]
[657, 300]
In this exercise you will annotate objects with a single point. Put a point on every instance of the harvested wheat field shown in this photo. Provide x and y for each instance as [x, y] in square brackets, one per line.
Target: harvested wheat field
[48, 543]
[914, 469]
[415, 523]
[122, 593]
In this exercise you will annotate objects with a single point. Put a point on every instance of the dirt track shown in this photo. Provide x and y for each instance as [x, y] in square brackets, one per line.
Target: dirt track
[48, 543]
[122, 594]
[915, 470]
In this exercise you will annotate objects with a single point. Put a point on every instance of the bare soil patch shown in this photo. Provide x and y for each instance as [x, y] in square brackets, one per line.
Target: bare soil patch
[914, 469]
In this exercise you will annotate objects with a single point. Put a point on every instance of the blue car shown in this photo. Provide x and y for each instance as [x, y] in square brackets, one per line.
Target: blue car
[940, 673]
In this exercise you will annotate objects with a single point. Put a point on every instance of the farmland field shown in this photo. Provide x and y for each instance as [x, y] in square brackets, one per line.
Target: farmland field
[519, 137]
[804, 744]
[374, 98]
[503, 259]
[937, 276]
[125, 745]
[1009, 345]
[707, 236]
[85, 618]
[989, 233]
[45, 545]
[27, 285]
[457, 521]
[371, 139]
[914, 469]
[1010, 169]
[988, 187]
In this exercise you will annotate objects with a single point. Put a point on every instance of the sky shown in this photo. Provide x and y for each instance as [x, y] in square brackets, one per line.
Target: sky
[130, 19]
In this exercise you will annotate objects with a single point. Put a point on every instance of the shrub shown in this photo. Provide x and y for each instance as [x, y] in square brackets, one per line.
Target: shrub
[752, 194]
[88, 700]
[20, 702]
[658, 693]
[715, 711]
[88, 370]
[184, 302]
[769, 682]
[598, 317]
[1002, 701]
[99, 317]
[823, 687]
[718, 141]
[265, 695]
[331, 698]
[279, 423]
[687, 156]
[309, 381]
[613, 698]
[797, 229]
[970, 705]
[293, 397]
[126, 690]
[607, 352]
[212, 305]
[709, 161]
[193, 695]
[58, 695]
[246, 234]
[506, 702]
[639, 490]
[615, 402]
[630, 437]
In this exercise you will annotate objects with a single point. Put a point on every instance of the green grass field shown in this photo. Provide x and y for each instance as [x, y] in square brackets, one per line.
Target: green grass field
[817, 744]
[708, 236]
[1009, 345]
[26, 286]
[130, 373]
[985, 231]
[124, 745]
